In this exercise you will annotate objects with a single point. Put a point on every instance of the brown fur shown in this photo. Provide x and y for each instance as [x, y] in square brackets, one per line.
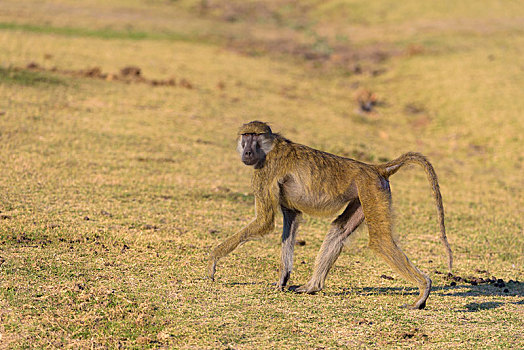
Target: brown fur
[298, 179]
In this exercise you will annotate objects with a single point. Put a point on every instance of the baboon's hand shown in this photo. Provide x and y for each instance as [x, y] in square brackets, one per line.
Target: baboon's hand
[211, 268]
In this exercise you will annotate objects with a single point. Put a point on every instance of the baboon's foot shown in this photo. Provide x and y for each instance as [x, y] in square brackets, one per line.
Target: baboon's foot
[211, 268]
[421, 301]
[279, 286]
[282, 281]
[307, 288]
[419, 305]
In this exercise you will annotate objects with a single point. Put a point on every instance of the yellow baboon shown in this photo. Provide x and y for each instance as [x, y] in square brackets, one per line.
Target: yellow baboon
[298, 179]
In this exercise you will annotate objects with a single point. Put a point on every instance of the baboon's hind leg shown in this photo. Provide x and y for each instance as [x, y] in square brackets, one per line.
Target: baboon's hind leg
[340, 230]
[377, 210]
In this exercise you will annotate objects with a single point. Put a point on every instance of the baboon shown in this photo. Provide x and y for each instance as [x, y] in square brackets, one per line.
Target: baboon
[298, 179]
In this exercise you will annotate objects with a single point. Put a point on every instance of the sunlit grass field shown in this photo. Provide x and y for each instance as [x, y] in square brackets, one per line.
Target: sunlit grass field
[114, 188]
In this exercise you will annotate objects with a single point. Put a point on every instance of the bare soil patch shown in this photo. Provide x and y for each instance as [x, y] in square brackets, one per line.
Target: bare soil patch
[127, 75]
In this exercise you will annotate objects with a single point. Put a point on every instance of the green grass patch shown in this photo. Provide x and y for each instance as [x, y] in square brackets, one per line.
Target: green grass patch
[105, 33]
[28, 78]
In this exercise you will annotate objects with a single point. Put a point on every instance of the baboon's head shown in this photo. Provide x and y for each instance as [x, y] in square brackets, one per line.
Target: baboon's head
[255, 141]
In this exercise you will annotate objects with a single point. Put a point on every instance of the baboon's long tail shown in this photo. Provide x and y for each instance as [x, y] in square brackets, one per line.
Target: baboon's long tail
[390, 168]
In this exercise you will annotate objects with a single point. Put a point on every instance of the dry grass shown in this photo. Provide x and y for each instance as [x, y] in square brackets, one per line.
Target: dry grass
[112, 193]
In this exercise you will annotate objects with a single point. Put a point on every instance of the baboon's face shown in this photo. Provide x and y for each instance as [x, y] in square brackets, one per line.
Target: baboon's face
[253, 148]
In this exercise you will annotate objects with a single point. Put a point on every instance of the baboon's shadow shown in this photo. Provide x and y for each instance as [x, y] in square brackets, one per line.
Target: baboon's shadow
[515, 289]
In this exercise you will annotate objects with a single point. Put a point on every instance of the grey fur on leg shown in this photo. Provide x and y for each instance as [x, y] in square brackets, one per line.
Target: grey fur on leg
[341, 229]
[291, 222]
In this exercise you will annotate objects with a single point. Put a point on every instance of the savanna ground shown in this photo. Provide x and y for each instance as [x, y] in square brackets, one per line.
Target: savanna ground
[114, 186]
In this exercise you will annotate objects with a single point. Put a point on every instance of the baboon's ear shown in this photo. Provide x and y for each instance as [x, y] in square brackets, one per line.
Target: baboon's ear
[240, 146]
[266, 142]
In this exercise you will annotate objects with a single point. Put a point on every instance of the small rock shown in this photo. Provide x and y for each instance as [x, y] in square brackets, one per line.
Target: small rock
[143, 340]
[362, 321]
[366, 100]
[163, 336]
[500, 283]
[186, 84]
[130, 71]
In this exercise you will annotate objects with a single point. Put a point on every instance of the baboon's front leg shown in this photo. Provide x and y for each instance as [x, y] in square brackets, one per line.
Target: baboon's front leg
[256, 228]
[266, 203]
[291, 221]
